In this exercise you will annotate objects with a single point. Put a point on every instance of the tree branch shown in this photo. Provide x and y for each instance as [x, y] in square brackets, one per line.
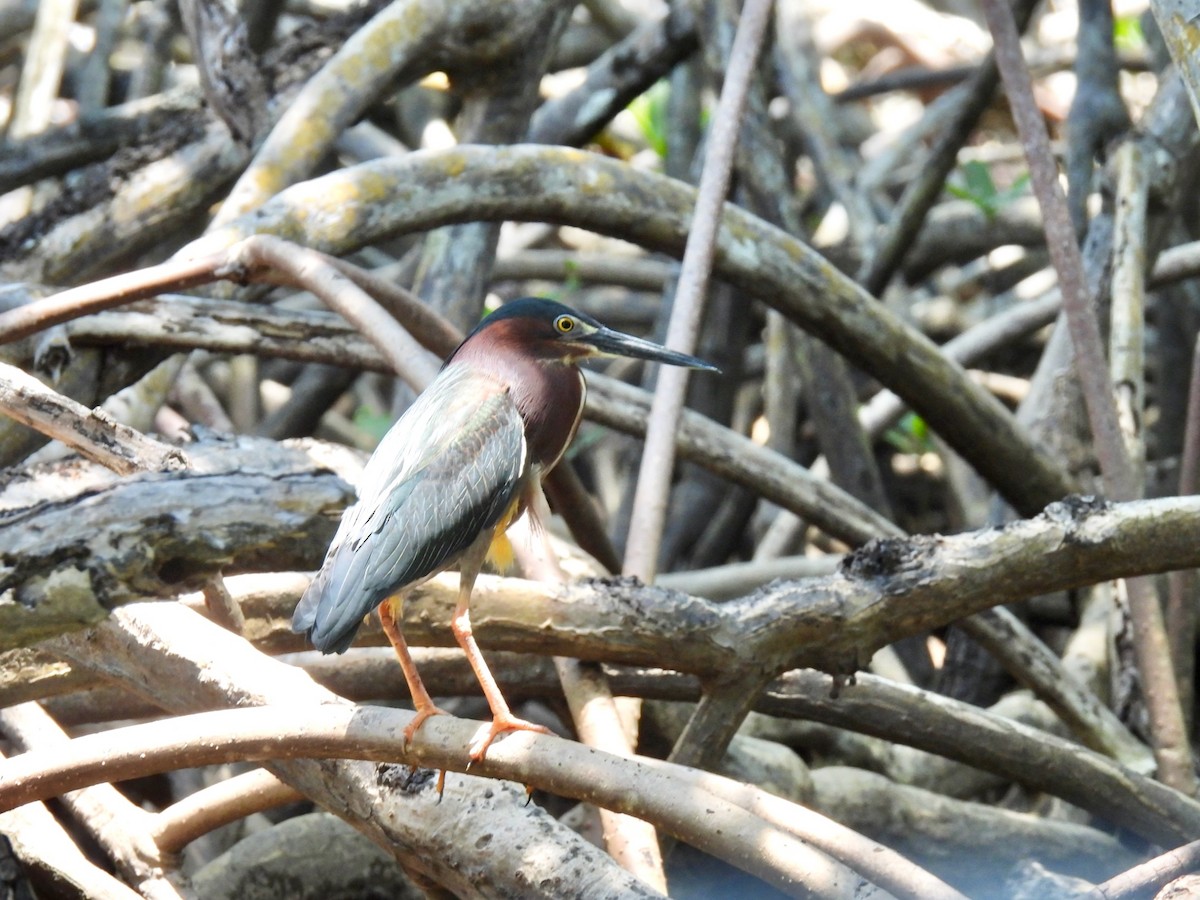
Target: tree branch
[705, 810]
[426, 189]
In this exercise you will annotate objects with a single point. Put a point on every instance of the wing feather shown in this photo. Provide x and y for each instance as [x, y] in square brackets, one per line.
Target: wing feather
[446, 471]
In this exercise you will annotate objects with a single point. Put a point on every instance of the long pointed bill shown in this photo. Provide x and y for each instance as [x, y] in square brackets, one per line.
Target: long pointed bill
[616, 343]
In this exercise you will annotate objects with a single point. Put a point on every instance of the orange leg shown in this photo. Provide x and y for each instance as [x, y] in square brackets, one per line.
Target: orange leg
[421, 699]
[502, 718]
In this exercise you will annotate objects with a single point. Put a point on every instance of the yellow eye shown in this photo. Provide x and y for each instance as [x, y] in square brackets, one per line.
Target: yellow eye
[564, 324]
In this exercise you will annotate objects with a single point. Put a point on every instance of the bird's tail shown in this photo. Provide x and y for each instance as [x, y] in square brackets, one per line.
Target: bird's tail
[329, 613]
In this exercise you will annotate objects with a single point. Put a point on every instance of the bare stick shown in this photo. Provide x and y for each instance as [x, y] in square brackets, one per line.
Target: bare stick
[90, 431]
[1171, 745]
[118, 825]
[658, 457]
[210, 808]
[107, 293]
[1181, 608]
[224, 610]
[1090, 366]
[278, 260]
[680, 801]
[39, 839]
[1149, 876]
[631, 842]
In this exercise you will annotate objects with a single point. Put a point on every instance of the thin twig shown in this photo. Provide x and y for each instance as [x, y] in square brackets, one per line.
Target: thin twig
[106, 294]
[632, 842]
[276, 260]
[882, 260]
[1127, 355]
[1171, 745]
[1150, 875]
[220, 804]
[1181, 612]
[41, 76]
[1090, 366]
[224, 610]
[91, 432]
[658, 457]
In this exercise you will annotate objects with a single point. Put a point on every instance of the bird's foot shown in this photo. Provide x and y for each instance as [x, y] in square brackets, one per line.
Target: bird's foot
[410, 730]
[499, 725]
[423, 713]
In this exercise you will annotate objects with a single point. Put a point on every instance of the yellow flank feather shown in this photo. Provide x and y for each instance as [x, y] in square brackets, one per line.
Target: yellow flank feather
[500, 550]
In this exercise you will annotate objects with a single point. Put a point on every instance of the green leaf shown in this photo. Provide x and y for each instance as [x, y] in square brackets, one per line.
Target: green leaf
[1128, 34]
[978, 187]
[649, 110]
[979, 179]
[372, 421]
[910, 435]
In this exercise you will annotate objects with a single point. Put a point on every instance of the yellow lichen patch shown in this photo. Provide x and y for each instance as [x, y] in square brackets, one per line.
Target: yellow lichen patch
[337, 193]
[371, 185]
[455, 164]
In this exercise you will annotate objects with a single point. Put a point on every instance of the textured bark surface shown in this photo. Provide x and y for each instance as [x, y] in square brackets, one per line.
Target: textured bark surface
[79, 541]
[397, 161]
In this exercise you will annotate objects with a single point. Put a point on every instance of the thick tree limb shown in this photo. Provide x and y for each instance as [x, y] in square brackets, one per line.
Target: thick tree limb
[1180, 30]
[79, 541]
[187, 665]
[403, 40]
[978, 843]
[703, 809]
[1021, 753]
[986, 740]
[1035, 665]
[831, 623]
[307, 857]
[886, 591]
[320, 337]
[423, 190]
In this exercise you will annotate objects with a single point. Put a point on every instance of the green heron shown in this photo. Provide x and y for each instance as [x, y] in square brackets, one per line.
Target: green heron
[454, 472]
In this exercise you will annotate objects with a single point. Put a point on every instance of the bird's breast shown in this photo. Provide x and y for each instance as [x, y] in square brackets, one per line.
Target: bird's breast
[551, 411]
[548, 394]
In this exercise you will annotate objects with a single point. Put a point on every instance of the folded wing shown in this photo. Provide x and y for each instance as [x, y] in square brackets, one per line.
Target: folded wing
[446, 471]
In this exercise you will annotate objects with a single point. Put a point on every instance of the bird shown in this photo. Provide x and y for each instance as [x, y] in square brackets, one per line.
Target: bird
[460, 466]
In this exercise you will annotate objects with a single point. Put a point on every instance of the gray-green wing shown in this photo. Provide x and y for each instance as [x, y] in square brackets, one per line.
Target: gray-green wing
[446, 471]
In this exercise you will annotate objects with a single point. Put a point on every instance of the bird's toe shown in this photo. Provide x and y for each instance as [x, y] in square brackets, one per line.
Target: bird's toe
[498, 726]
